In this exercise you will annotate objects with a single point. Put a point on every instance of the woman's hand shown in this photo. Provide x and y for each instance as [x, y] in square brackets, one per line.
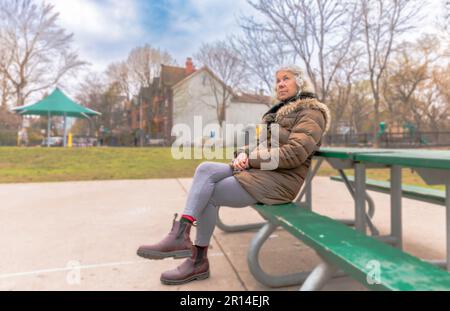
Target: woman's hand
[241, 162]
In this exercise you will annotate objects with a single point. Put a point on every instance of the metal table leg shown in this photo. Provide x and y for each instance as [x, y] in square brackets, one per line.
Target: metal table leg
[271, 280]
[440, 177]
[360, 197]
[319, 277]
[447, 207]
[237, 228]
[307, 188]
[371, 206]
[255, 268]
[396, 205]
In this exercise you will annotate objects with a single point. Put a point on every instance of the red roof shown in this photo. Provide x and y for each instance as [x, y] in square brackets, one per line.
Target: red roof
[253, 99]
[171, 75]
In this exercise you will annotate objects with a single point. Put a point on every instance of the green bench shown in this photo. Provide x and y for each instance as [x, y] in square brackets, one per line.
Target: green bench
[355, 253]
[411, 192]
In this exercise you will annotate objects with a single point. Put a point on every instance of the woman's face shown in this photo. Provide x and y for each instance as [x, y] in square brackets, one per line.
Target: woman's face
[285, 85]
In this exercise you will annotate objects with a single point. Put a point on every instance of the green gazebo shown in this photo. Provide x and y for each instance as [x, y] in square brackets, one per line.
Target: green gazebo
[57, 104]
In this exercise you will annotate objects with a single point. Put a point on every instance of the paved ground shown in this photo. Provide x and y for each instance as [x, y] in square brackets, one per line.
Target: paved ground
[84, 236]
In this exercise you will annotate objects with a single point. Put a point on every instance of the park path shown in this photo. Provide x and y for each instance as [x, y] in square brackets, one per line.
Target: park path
[84, 236]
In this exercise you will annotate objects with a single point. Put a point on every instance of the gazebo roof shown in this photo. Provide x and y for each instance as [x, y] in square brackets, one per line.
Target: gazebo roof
[56, 104]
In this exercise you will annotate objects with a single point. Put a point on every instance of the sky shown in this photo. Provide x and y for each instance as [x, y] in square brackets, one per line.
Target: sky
[106, 30]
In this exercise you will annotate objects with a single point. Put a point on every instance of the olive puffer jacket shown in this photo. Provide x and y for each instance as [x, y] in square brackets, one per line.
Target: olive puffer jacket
[302, 124]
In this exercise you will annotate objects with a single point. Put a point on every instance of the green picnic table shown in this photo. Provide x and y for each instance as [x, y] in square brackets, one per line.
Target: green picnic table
[347, 248]
[433, 166]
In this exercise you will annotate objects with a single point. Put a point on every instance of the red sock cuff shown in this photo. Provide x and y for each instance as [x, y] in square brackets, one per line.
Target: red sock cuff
[190, 218]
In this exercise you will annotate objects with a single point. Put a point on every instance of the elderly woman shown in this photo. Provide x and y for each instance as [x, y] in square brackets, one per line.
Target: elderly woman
[302, 121]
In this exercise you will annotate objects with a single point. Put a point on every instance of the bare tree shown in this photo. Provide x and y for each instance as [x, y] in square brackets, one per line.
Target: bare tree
[262, 53]
[90, 94]
[319, 32]
[95, 92]
[360, 105]
[383, 22]
[90, 90]
[228, 74]
[5, 62]
[142, 65]
[443, 19]
[437, 100]
[410, 69]
[399, 89]
[435, 111]
[39, 50]
[340, 95]
[5, 91]
[118, 73]
[441, 77]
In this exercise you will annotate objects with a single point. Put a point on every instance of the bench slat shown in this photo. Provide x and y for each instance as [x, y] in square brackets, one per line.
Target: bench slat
[353, 252]
[411, 192]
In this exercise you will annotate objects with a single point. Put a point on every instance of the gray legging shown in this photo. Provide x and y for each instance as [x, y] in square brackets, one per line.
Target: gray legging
[214, 185]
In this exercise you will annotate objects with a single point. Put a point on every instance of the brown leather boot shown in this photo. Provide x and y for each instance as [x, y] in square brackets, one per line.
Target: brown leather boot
[194, 268]
[176, 244]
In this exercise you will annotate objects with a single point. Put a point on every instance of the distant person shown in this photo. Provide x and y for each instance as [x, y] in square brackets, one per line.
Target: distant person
[23, 137]
[303, 120]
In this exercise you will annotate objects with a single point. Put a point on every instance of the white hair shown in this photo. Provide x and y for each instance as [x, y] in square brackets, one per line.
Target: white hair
[303, 84]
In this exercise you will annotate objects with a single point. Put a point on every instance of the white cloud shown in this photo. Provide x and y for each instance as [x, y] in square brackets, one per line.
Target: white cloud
[106, 30]
[112, 21]
[102, 30]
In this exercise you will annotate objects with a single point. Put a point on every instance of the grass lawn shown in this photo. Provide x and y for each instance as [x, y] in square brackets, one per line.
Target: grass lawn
[58, 164]
[18, 165]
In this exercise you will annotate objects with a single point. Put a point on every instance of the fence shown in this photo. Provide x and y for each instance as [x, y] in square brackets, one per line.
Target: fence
[390, 140]
[387, 140]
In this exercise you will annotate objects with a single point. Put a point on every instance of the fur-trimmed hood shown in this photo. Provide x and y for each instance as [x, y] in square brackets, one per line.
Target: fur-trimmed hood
[297, 105]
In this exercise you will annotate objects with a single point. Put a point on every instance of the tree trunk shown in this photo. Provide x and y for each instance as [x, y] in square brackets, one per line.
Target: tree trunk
[376, 139]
